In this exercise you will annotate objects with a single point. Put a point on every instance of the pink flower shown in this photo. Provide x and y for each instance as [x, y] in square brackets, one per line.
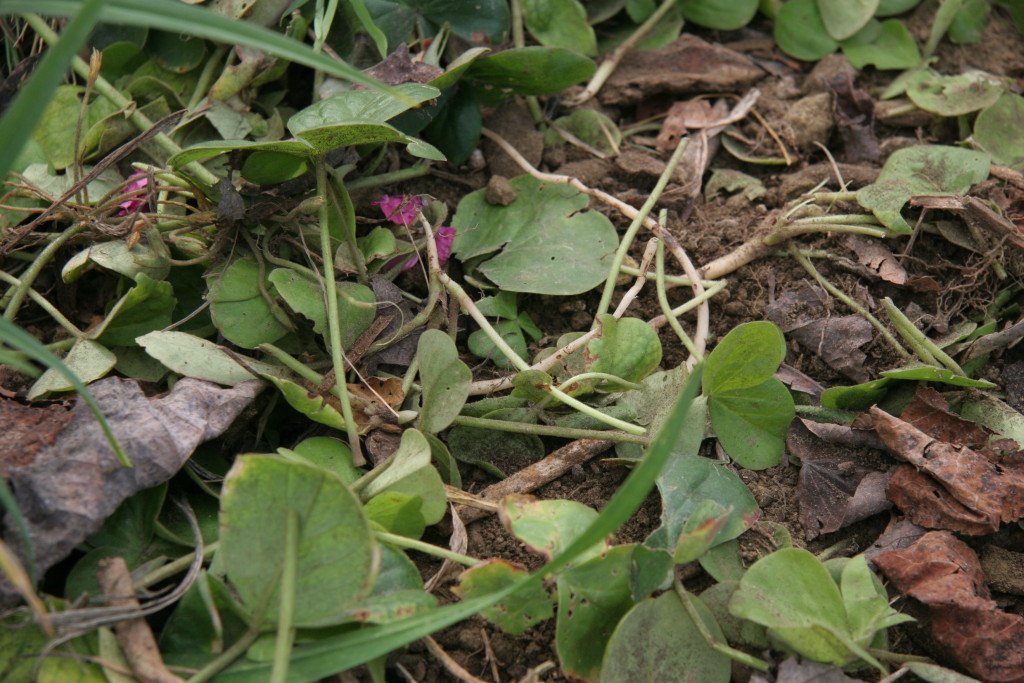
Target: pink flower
[400, 210]
[443, 238]
[137, 191]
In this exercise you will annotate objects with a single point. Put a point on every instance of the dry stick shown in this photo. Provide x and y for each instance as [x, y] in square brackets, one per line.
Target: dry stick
[536, 475]
[133, 635]
[453, 667]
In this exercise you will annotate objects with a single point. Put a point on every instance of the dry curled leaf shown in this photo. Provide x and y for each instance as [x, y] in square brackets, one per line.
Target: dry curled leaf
[73, 484]
[944, 574]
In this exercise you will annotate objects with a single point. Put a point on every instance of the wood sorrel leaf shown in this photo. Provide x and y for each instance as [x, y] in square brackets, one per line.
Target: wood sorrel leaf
[445, 381]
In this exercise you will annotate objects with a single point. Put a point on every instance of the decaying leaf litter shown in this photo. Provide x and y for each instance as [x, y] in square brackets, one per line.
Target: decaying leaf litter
[777, 153]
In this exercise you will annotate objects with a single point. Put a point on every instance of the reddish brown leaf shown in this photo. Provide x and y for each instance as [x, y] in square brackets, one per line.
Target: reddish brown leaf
[27, 430]
[877, 257]
[927, 504]
[994, 492]
[944, 574]
[930, 413]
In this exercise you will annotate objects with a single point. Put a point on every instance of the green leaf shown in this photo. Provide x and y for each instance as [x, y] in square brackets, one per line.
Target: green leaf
[547, 244]
[239, 309]
[144, 308]
[892, 48]
[480, 344]
[592, 598]
[700, 531]
[445, 380]
[151, 259]
[866, 601]
[338, 559]
[957, 94]
[175, 52]
[560, 23]
[792, 594]
[857, 397]
[994, 131]
[306, 297]
[925, 169]
[88, 360]
[519, 611]
[309, 403]
[969, 23]
[747, 356]
[751, 423]
[591, 126]
[800, 31]
[627, 348]
[843, 18]
[724, 15]
[930, 373]
[398, 18]
[456, 128]
[887, 8]
[191, 356]
[268, 168]
[480, 447]
[535, 70]
[410, 471]
[331, 454]
[658, 641]
[687, 484]
[211, 148]
[398, 513]
[547, 527]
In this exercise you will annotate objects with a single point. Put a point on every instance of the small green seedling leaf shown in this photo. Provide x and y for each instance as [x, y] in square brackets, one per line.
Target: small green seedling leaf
[751, 423]
[748, 355]
[534, 70]
[925, 169]
[87, 359]
[192, 356]
[309, 403]
[331, 454]
[269, 168]
[338, 558]
[520, 610]
[592, 598]
[445, 380]
[957, 94]
[800, 31]
[547, 527]
[843, 18]
[547, 243]
[409, 471]
[560, 23]
[993, 131]
[658, 641]
[627, 348]
[888, 45]
[306, 297]
[590, 126]
[701, 531]
[239, 309]
[397, 513]
[146, 307]
[116, 256]
[930, 373]
[857, 397]
[650, 569]
[724, 15]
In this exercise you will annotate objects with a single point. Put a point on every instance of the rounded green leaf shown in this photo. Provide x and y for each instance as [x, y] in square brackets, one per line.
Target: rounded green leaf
[592, 597]
[747, 356]
[801, 33]
[535, 70]
[751, 423]
[658, 641]
[843, 18]
[627, 348]
[891, 48]
[89, 360]
[267, 168]
[956, 94]
[192, 356]
[239, 309]
[337, 556]
[560, 23]
[445, 380]
[997, 131]
[520, 610]
[211, 148]
[306, 297]
[724, 15]
[483, 447]
[410, 472]
[548, 527]
[309, 403]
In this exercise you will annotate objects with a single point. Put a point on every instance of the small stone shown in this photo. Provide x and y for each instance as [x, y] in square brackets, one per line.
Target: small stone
[499, 191]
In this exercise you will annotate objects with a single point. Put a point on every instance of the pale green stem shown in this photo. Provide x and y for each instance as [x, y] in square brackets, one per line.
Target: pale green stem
[105, 88]
[17, 296]
[400, 175]
[237, 649]
[796, 229]
[924, 346]
[698, 621]
[595, 413]
[45, 305]
[830, 197]
[175, 567]
[599, 376]
[333, 317]
[549, 430]
[286, 605]
[666, 308]
[853, 305]
[467, 303]
[428, 548]
[206, 76]
[634, 227]
[674, 280]
[842, 219]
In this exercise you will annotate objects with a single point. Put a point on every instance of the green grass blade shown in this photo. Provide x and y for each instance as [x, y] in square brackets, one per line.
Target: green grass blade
[339, 653]
[174, 16]
[14, 336]
[24, 113]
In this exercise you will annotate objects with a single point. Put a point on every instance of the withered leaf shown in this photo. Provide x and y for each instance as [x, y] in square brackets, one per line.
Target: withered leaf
[995, 492]
[855, 118]
[926, 503]
[837, 487]
[877, 257]
[930, 413]
[72, 485]
[944, 574]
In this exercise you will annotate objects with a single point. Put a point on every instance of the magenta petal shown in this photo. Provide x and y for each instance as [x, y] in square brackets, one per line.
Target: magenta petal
[444, 238]
[401, 209]
[137, 190]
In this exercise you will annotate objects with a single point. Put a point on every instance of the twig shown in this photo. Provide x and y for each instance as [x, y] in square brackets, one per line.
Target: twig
[450, 664]
[539, 473]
